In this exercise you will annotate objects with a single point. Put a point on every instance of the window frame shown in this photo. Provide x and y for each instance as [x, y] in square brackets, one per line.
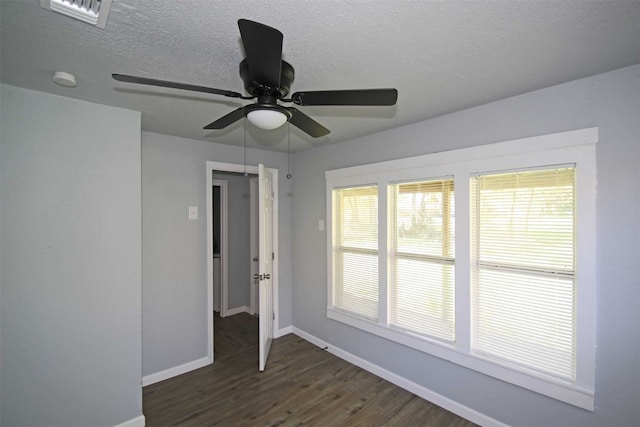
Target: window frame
[576, 147]
[531, 270]
[394, 255]
[344, 249]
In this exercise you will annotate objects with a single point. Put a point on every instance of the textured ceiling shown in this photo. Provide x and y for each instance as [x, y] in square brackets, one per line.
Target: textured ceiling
[441, 56]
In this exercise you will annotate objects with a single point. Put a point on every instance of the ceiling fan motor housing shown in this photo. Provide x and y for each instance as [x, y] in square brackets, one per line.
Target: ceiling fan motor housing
[287, 75]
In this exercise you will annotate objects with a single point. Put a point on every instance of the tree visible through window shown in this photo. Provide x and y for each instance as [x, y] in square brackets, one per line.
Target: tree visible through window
[524, 268]
[355, 250]
[421, 257]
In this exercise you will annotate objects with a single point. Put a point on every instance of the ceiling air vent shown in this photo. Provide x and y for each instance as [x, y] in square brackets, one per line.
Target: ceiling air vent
[93, 12]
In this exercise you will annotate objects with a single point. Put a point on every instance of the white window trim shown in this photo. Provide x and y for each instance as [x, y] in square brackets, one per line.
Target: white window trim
[573, 147]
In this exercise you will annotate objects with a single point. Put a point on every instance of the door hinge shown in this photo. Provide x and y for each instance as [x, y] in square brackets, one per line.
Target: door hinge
[273, 256]
[274, 316]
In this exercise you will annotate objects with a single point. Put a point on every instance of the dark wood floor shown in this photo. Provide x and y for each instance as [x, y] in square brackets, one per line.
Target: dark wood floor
[301, 386]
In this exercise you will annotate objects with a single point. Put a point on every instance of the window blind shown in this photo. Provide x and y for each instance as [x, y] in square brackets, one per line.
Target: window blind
[421, 257]
[523, 275]
[355, 250]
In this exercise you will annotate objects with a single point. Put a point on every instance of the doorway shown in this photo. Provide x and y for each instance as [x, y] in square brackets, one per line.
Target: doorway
[232, 238]
[212, 167]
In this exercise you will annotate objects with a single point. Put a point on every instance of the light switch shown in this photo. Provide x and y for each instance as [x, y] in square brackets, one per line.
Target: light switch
[193, 212]
[321, 225]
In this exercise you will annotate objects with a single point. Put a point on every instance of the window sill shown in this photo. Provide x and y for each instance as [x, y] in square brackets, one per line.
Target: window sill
[530, 380]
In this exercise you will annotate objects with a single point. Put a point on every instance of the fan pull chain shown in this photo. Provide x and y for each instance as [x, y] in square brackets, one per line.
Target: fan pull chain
[288, 150]
[245, 147]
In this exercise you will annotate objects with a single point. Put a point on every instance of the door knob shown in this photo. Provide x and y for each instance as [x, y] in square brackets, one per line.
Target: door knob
[267, 276]
[257, 277]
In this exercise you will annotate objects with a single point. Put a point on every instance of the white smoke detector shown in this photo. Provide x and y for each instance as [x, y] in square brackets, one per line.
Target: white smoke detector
[64, 79]
[92, 12]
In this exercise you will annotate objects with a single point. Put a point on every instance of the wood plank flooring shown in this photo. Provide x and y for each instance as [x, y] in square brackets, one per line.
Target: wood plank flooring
[301, 386]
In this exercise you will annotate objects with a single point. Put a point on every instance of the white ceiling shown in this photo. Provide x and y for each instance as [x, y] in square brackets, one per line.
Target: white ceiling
[441, 56]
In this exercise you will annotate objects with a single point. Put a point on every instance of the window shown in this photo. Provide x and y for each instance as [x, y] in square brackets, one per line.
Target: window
[421, 257]
[497, 276]
[523, 275]
[355, 250]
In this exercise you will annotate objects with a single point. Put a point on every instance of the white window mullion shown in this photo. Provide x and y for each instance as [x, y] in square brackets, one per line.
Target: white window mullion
[383, 308]
[462, 267]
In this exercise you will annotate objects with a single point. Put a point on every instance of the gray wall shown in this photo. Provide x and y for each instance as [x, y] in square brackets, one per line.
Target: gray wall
[174, 255]
[70, 261]
[239, 262]
[610, 101]
[2, 114]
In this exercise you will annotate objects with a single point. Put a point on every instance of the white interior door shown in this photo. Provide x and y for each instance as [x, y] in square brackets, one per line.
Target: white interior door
[254, 246]
[266, 262]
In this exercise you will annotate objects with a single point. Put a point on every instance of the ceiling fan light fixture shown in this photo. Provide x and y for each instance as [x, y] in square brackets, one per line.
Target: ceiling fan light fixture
[267, 119]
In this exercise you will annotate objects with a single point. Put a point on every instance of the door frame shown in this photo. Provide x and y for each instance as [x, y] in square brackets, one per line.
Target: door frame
[224, 243]
[235, 167]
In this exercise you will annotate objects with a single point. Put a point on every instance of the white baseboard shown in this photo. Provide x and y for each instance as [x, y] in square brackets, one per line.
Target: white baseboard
[417, 389]
[237, 310]
[134, 422]
[284, 331]
[175, 371]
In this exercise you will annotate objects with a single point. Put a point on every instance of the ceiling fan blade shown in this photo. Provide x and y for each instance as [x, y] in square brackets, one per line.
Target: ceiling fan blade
[375, 97]
[263, 47]
[174, 85]
[227, 119]
[306, 123]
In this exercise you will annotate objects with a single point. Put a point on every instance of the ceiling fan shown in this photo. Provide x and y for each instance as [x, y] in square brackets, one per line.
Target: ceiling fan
[268, 78]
